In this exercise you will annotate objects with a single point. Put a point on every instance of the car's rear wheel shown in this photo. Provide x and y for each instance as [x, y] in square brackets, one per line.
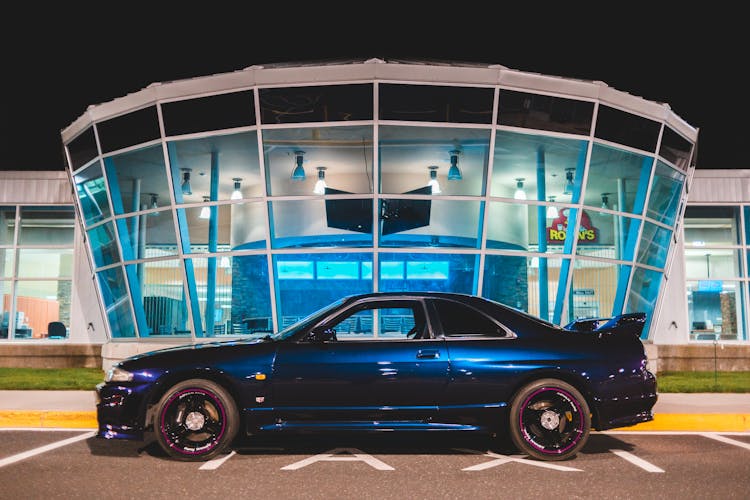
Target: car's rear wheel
[196, 420]
[549, 420]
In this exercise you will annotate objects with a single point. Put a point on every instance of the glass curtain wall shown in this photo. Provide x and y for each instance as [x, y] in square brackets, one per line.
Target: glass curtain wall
[36, 270]
[714, 271]
[233, 223]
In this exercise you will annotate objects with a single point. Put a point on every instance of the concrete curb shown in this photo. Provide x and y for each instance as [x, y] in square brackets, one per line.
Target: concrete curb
[48, 418]
[707, 422]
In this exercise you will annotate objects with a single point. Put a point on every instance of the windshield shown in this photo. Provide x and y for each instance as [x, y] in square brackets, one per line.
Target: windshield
[306, 321]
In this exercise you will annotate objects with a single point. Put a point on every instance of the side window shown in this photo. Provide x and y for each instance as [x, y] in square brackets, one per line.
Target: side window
[460, 320]
[381, 320]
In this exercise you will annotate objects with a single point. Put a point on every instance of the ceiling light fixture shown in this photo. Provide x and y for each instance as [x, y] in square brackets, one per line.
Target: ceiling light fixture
[454, 173]
[205, 211]
[520, 194]
[569, 185]
[186, 189]
[434, 184]
[236, 194]
[552, 212]
[605, 200]
[320, 185]
[298, 172]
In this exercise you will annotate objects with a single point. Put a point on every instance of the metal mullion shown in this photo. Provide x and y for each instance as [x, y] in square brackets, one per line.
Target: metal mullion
[485, 198]
[376, 195]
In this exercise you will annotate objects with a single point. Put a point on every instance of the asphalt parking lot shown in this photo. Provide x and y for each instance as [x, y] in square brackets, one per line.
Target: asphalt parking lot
[619, 464]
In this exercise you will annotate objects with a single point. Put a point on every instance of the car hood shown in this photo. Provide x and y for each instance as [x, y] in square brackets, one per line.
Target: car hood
[201, 349]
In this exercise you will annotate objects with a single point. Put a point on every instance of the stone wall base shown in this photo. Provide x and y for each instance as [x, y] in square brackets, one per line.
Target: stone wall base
[43, 355]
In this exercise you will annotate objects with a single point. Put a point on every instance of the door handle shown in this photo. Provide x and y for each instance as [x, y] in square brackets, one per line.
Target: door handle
[428, 354]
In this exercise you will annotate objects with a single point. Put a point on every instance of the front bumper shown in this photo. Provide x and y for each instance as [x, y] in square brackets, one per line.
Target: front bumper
[121, 411]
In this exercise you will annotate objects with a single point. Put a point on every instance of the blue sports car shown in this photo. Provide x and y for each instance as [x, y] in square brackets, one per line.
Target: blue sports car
[390, 361]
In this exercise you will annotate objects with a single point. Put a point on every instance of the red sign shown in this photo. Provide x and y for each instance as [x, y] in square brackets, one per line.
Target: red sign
[558, 229]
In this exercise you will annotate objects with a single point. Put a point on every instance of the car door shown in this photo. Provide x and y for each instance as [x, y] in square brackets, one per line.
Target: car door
[371, 371]
[486, 359]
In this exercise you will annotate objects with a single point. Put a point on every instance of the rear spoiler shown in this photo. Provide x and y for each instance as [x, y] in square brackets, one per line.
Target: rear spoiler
[631, 323]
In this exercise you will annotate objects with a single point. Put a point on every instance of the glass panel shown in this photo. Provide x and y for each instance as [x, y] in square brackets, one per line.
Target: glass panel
[459, 320]
[456, 272]
[432, 103]
[5, 302]
[6, 262]
[222, 167]
[654, 245]
[675, 149]
[407, 155]
[712, 263]
[596, 288]
[7, 225]
[526, 283]
[536, 228]
[710, 226]
[627, 129]
[617, 179]
[607, 235]
[666, 189]
[82, 149]
[148, 235]
[141, 172]
[321, 103]
[47, 226]
[216, 112]
[539, 168]
[715, 310]
[92, 194]
[296, 158]
[644, 289]
[159, 287]
[239, 226]
[128, 130]
[299, 295]
[39, 303]
[45, 263]
[521, 109]
[103, 245]
[233, 294]
[320, 223]
[116, 302]
[433, 223]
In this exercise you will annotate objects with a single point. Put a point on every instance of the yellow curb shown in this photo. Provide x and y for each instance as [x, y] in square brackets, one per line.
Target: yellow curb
[49, 418]
[716, 422]
[708, 422]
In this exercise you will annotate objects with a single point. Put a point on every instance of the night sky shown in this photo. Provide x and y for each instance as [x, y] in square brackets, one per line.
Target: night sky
[56, 65]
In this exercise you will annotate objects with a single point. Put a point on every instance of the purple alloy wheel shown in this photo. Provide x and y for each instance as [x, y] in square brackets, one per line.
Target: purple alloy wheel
[551, 420]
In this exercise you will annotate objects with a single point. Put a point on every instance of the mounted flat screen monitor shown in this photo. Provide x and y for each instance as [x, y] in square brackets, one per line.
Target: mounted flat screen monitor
[352, 215]
[402, 215]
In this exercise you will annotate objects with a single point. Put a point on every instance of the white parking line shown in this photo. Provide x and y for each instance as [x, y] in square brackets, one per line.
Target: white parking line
[724, 439]
[216, 462]
[647, 466]
[43, 449]
[504, 459]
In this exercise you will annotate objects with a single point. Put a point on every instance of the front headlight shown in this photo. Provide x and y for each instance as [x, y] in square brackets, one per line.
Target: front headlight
[117, 374]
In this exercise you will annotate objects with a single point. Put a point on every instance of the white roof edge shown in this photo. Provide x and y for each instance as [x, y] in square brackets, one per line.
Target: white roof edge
[714, 173]
[375, 69]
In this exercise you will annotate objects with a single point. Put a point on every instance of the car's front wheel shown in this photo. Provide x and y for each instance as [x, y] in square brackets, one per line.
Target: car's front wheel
[196, 420]
[549, 420]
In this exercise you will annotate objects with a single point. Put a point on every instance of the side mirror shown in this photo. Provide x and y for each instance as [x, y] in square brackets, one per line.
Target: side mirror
[322, 335]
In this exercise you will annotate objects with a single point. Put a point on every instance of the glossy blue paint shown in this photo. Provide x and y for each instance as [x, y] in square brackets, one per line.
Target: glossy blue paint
[294, 381]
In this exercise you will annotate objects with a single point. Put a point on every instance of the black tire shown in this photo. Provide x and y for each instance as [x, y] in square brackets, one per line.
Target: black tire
[549, 420]
[196, 420]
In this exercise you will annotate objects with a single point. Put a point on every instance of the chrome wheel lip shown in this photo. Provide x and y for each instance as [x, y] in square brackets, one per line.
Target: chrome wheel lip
[176, 435]
[560, 397]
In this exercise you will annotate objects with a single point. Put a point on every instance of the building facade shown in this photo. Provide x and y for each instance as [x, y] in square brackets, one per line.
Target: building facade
[238, 203]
